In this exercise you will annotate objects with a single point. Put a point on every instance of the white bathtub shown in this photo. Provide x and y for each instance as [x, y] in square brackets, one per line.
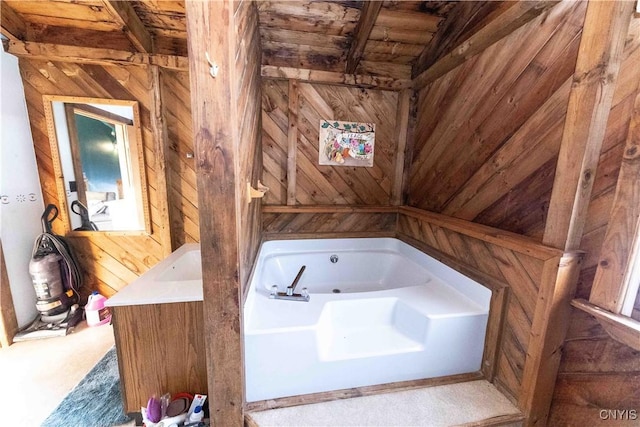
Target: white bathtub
[399, 315]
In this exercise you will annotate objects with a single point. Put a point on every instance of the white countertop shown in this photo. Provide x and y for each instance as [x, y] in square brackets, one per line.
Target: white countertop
[177, 278]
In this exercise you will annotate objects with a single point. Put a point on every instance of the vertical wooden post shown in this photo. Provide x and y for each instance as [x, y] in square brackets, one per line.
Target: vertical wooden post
[210, 26]
[402, 127]
[292, 140]
[548, 331]
[160, 142]
[617, 254]
[8, 320]
[594, 81]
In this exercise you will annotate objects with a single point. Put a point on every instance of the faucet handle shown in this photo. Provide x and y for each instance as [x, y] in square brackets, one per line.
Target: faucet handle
[274, 290]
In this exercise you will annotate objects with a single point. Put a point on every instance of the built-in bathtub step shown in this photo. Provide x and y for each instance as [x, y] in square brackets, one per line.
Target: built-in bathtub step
[474, 403]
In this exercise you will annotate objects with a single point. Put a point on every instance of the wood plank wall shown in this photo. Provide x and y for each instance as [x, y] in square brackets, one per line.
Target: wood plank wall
[328, 221]
[326, 185]
[488, 132]
[596, 371]
[249, 113]
[291, 114]
[110, 261]
[182, 191]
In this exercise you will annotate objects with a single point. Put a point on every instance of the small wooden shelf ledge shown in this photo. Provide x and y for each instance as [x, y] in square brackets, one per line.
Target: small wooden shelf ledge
[621, 328]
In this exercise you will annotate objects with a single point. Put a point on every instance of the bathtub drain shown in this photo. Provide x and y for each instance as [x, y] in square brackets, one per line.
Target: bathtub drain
[336, 291]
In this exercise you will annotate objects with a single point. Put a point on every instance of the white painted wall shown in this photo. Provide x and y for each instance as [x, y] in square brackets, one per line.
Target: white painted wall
[21, 204]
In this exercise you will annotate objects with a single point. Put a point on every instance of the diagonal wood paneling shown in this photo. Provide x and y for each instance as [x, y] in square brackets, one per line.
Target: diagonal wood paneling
[250, 165]
[519, 268]
[182, 191]
[330, 222]
[481, 165]
[275, 123]
[323, 185]
[110, 261]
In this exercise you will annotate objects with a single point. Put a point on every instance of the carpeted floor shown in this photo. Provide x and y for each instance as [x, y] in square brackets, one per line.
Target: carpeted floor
[95, 402]
[446, 405]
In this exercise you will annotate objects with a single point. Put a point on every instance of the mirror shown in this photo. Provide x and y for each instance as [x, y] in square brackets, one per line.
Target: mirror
[97, 154]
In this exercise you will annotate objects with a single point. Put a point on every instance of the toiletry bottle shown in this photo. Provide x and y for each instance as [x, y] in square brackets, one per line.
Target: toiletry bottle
[197, 415]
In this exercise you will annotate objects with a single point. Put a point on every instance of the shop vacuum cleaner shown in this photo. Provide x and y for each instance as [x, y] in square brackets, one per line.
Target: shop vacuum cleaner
[57, 279]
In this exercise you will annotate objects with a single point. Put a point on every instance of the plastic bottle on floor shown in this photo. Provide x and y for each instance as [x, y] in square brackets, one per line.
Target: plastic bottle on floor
[97, 313]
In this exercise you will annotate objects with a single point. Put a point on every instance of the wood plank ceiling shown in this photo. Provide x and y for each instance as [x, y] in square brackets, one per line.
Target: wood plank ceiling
[397, 39]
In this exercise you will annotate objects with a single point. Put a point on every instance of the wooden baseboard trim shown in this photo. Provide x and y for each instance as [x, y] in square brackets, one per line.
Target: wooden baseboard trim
[501, 420]
[349, 393]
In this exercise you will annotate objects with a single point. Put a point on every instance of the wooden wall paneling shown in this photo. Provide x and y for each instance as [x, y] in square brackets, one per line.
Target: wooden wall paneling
[453, 30]
[345, 185]
[510, 20]
[110, 260]
[605, 29]
[507, 91]
[520, 156]
[596, 373]
[292, 142]
[250, 145]
[328, 222]
[457, 157]
[275, 123]
[583, 398]
[159, 129]
[609, 163]
[402, 131]
[8, 320]
[183, 199]
[617, 253]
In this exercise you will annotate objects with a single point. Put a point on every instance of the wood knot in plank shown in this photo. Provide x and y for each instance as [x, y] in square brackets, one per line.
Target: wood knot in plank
[604, 263]
[631, 153]
[587, 176]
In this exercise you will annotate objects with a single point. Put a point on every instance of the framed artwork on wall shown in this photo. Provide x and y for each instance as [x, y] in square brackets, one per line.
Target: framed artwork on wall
[346, 143]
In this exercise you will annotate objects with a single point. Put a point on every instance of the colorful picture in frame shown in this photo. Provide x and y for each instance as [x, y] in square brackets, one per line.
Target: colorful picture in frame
[346, 143]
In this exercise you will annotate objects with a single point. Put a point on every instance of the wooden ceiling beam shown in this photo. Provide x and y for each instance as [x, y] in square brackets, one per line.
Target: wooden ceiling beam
[454, 29]
[516, 15]
[85, 55]
[605, 29]
[132, 26]
[330, 77]
[368, 17]
[13, 26]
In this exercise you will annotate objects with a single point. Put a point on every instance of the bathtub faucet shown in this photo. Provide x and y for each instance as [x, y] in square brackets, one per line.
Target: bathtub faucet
[290, 295]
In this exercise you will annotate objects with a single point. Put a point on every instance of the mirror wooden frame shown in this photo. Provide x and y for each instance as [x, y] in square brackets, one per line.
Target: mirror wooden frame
[137, 153]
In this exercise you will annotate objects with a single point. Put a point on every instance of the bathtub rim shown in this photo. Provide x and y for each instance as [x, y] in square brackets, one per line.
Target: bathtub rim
[397, 243]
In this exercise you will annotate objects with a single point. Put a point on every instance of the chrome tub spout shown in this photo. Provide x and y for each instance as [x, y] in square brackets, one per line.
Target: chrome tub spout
[290, 294]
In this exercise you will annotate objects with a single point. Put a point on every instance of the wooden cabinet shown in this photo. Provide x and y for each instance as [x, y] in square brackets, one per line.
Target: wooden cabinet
[160, 349]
